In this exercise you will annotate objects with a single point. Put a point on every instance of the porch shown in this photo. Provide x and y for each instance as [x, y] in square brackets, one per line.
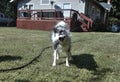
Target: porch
[47, 18]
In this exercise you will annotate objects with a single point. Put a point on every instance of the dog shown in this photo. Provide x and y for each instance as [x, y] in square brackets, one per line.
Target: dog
[61, 41]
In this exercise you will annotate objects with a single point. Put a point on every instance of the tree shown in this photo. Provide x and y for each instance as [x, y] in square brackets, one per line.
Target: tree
[14, 5]
[116, 8]
[4, 6]
[10, 9]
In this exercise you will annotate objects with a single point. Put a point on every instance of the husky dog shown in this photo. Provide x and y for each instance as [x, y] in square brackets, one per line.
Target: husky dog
[61, 40]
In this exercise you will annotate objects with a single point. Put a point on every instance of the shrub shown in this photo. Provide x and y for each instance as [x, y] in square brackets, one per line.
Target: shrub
[118, 15]
[113, 21]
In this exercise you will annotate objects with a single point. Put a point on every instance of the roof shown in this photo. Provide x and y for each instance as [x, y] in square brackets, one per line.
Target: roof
[103, 5]
[11, 1]
[106, 6]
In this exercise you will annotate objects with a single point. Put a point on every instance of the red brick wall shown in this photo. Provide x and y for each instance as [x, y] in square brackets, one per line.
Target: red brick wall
[37, 24]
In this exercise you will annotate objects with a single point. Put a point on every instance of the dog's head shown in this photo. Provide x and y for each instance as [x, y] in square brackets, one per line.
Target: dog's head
[61, 31]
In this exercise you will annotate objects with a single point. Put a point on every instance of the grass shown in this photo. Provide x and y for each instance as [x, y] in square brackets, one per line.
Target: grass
[96, 57]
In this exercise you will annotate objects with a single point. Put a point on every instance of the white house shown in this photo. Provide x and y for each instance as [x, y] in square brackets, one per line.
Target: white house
[78, 5]
[92, 8]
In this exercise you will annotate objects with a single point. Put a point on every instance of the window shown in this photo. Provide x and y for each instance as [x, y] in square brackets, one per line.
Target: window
[25, 6]
[67, 6]
[31, 6]
[44, 2]
[28, 6]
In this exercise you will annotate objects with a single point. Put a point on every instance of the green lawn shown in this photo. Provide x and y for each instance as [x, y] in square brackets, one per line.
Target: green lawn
[96, 57]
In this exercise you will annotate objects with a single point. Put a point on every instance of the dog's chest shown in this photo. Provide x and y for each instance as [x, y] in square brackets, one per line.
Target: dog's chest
[64, 45]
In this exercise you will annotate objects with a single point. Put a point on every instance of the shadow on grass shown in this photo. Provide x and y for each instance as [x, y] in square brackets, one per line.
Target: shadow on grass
[9, 58]
[84, 61]
[100, 74]
[87, 61]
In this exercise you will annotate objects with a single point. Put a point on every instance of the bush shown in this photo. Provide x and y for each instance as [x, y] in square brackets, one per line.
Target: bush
[118, 22]
[118, 15]
[113, 21]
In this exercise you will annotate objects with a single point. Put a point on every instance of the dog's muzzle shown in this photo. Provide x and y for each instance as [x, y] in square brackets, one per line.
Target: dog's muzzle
[61, 38]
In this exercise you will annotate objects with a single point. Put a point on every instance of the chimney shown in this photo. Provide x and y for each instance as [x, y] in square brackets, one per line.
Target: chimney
[108, 1]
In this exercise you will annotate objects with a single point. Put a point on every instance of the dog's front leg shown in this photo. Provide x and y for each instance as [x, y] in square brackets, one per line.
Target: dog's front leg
[67, 61]
[57, 56]
[54, 55]
[68, 57]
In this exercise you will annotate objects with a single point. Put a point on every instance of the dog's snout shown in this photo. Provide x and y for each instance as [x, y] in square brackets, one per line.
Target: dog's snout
[61, 38]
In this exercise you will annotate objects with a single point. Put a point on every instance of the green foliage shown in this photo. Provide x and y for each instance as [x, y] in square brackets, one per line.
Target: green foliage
[9, 9]
[6, 8]
[115, 8]
[113, 20]
[118, 15]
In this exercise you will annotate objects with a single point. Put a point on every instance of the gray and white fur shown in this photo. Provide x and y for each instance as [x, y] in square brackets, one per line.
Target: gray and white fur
[61, 39]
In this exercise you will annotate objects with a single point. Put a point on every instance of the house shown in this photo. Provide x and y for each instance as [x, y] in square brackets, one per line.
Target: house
[78, 5]
[90, 8]
[98, 10]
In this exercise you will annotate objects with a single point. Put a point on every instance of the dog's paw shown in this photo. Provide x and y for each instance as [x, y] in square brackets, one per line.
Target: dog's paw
[53, 64]
[67, 65]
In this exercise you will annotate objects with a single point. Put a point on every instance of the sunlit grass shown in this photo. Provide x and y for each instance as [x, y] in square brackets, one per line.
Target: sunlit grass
[96, 57]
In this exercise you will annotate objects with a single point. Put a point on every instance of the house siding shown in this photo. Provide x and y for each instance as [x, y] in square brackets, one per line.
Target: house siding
[78, 5]
[88, 7]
